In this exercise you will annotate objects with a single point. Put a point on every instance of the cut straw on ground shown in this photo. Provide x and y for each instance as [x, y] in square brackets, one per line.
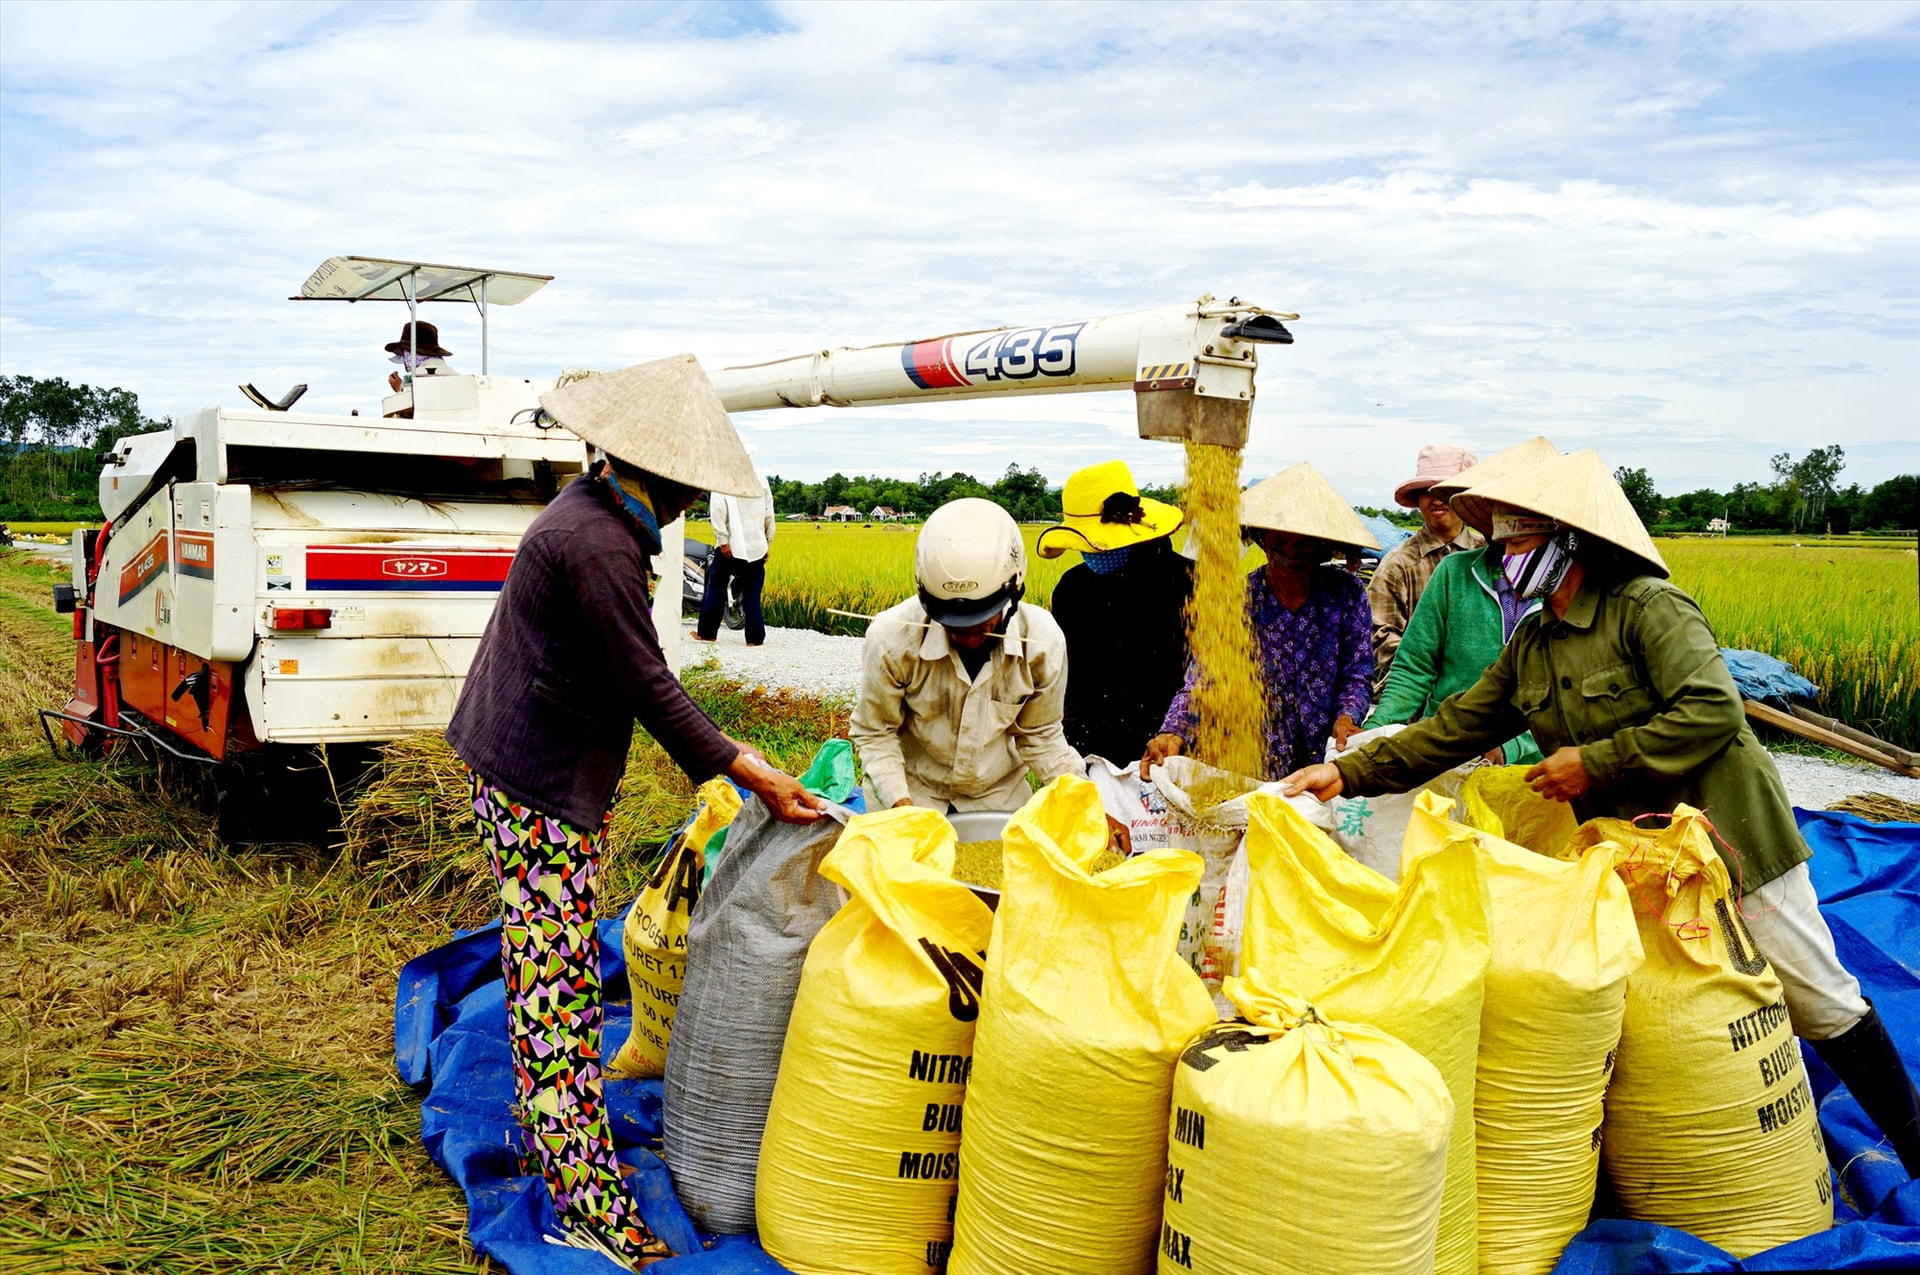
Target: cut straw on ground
[198, 1037]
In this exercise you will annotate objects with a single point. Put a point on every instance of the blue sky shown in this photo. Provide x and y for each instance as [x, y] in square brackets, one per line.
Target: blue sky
[1685, 235]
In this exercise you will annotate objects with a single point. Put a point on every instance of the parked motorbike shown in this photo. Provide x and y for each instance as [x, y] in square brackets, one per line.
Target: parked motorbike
[693, 585]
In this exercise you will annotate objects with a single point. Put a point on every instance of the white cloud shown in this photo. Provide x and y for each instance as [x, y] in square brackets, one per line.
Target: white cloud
[1495, 220]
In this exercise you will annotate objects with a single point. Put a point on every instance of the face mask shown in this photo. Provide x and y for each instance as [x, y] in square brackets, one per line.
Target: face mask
[1105, 564]
[1538, 572]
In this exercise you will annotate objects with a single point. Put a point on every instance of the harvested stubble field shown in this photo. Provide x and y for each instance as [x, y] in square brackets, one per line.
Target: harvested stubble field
[1846, 614]
[199, 1037]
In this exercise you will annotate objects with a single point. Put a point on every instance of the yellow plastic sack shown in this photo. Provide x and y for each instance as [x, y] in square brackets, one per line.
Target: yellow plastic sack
[1710, 1122]
[1086, 1006]
[1564, 944]
[1409, 959]
[1284, 1124]
[861, 1151]
[654, 936]
[1499, 800]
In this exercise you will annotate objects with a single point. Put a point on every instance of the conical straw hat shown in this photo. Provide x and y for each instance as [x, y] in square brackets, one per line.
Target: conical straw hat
[1578, 491]
[1300, 501]
[1458, 489]
[663, 417]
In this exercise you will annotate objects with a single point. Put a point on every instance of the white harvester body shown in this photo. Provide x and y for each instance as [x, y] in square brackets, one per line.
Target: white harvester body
[269, 576]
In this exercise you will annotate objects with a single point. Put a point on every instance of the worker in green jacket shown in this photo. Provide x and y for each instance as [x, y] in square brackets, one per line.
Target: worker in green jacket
[1465, 615]
[1621, 680]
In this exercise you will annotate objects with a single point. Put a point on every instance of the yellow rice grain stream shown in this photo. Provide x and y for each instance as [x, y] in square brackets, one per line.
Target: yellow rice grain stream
[1230, 700]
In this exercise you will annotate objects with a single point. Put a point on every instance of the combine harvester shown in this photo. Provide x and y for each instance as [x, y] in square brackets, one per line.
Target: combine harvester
[270, 580]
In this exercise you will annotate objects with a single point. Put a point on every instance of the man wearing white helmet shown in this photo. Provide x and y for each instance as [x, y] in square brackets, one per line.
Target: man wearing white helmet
[963, 687]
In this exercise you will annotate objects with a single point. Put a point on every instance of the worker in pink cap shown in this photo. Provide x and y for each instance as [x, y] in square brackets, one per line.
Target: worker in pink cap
[1403, 574]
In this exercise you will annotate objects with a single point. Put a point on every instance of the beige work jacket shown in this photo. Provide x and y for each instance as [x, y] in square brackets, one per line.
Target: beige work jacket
[924, 730]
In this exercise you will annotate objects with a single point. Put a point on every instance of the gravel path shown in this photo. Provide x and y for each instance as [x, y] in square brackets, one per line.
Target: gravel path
[1816, 784]
[796, 659]
[829, 667]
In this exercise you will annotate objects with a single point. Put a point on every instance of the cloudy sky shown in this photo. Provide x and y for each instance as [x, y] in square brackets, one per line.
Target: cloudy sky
[1686, 235]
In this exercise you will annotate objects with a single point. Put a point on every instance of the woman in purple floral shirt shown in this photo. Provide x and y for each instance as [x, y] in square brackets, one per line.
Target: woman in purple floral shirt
[1313, 624]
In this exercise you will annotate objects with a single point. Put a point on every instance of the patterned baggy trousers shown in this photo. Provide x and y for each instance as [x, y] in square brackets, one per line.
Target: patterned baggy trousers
[551, 955]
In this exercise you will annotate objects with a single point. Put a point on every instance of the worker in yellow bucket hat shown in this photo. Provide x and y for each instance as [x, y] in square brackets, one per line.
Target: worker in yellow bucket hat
[1131, 581]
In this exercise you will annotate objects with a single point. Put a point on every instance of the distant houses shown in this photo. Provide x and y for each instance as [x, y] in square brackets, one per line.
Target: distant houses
[840, 513]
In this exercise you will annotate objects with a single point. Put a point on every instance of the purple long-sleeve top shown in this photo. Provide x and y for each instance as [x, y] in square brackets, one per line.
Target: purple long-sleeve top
[1316, 663]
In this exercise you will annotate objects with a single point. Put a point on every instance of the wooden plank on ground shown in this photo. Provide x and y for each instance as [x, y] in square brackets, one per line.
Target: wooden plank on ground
[1871, 741]
[1807, 730]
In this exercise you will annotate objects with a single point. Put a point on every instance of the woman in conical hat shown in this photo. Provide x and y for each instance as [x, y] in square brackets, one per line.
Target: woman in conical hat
[1465, 615]
[1312, 622]
[569, 662]
[1622, 682]
[1120, 609]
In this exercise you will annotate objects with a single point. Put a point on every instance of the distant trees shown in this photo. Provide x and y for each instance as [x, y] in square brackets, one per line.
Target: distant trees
[51, 434]
[1021, 492]
[1640, 493]
[1804, 497]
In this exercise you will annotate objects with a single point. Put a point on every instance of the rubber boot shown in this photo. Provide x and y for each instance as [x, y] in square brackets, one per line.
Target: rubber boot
[1864, 1059]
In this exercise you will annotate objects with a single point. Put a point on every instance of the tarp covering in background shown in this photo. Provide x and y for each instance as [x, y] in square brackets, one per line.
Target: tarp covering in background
[1385, 532]
[1769, 680]
[450, 1027]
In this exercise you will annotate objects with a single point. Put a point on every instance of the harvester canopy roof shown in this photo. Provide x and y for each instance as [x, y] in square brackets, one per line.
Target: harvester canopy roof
[385, 279]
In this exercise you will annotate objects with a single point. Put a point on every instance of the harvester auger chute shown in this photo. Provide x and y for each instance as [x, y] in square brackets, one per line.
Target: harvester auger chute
[1191, 368]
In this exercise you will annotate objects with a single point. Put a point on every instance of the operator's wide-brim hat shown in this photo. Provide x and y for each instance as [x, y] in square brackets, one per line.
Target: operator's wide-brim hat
[663, 417]
[1301, 502]
[1535, 451]
[1578, 491]
[1437, 463]
[1101, 510]
[425, 341]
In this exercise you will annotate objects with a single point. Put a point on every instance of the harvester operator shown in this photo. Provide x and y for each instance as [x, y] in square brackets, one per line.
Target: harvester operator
[569, 661]
[963, 687]
[1622, 682]
[418, 352]
[1130, 581]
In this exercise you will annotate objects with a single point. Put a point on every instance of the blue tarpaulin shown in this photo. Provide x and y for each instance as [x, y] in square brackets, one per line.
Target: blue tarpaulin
[450, 1035]
[1766, 679]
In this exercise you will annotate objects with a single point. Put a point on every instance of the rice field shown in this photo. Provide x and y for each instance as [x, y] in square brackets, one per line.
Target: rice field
[1846, 614]
[1849, 620]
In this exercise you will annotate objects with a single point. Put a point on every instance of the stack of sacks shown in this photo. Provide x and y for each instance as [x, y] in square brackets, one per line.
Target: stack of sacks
[1298, 1144]
[1410, 960]
[860, 1159]
[1564, 944]
[654, 936]
[1710, 1123]
[1085, 1007]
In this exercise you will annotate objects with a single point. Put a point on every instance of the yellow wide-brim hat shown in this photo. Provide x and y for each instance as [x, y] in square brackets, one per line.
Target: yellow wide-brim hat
[1535, 451]
[1101, 510]
[1301, 502]
[664, 417]
[1578, 491]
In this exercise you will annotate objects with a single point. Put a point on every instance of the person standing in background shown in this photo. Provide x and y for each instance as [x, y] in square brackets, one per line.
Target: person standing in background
[1403, 574]
[1121, 609]
[742, 536]
[1467, 612]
